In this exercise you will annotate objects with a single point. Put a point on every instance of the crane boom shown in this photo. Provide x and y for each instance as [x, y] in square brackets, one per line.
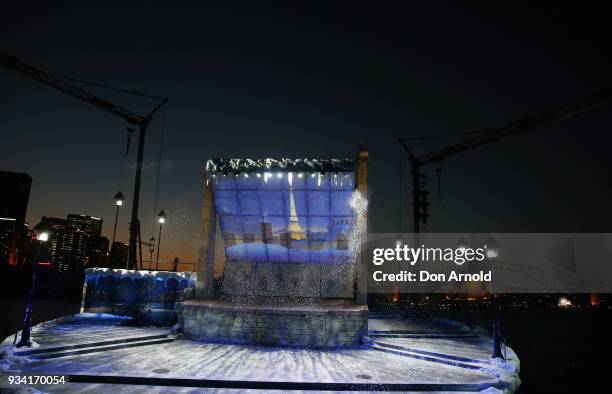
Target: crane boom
[16, 65]
[43, 77]
[419, 202]
[524, 124]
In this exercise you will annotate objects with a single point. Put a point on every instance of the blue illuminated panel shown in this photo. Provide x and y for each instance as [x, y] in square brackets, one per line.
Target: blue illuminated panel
[285, 217]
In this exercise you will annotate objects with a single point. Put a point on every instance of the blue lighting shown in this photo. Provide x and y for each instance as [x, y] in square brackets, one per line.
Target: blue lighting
[286, 219]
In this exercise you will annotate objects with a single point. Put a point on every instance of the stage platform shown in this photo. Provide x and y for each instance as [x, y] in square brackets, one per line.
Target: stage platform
[312, 323]
[425, 355]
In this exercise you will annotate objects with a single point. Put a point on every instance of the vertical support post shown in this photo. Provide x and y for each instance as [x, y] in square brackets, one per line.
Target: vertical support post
[417, 192]
[140, 247]
[497, 351]
[27, 320]
[115, 228]
[206, 256]
[134, 225]
[416, 199]
[362, 187]
[158, 246]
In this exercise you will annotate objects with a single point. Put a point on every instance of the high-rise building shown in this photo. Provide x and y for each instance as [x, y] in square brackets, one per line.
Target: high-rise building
[118, 255]
[91, 226]
[13, 207]
[74, 242]
[72, 251]
[55, 228]
[80, 243]
[100, 253]
[12, 236]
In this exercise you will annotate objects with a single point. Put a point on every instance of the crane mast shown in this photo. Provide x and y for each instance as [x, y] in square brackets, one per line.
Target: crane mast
[419, 202]
[142, 122]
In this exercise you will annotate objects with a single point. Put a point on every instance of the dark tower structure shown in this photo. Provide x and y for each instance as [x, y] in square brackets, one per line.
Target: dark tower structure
[13, 207]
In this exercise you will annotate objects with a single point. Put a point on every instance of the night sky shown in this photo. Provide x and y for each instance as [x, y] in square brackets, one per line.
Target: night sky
[312, 81]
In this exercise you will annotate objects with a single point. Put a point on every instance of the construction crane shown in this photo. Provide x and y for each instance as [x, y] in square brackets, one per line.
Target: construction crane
[142, 122]
[419, 201]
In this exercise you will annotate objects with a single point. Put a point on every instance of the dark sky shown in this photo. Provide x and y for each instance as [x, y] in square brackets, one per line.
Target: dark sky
[313, 81]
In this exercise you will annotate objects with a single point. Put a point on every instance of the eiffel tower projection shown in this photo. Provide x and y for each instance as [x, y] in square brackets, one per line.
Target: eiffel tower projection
[294, 229]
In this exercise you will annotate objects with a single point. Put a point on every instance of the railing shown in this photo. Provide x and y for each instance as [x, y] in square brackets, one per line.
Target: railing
[168, 266]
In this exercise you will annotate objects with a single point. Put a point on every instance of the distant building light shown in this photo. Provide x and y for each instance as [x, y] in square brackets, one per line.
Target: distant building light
[10, 219]
[43, 237]
[492, 253]
[462, 244]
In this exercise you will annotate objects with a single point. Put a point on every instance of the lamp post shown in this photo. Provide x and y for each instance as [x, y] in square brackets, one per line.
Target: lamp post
[151, 249]
[493, 254]
[27, 319]
[118, 203]
[161, 218]
[462, 245]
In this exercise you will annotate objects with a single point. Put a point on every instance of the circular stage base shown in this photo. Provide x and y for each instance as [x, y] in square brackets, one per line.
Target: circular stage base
[317, 324]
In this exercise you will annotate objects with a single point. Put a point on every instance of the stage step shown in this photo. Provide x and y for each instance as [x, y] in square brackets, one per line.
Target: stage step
[97, 346]
[434, 354]
[95, 349]
[51, 349]
[419, 335]
[437, 358]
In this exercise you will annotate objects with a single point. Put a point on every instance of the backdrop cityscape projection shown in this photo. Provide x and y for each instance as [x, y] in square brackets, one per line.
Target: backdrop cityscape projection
[285, 216]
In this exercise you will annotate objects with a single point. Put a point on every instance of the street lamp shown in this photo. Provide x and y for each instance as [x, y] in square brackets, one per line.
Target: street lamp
[398, 241]
[161, 218]
[462, 245]
[27, 319]
[118, 203]
[493, 254]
